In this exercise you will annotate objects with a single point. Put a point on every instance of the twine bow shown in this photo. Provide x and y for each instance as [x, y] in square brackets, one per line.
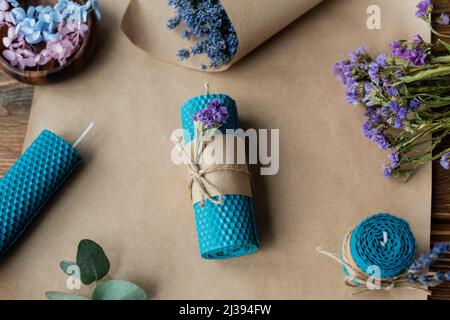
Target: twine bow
[198, 175]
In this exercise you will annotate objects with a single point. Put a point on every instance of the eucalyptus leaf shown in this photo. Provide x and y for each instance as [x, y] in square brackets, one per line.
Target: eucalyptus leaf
[66, 267]
[119, 290]
[60, 296]
[92, 260]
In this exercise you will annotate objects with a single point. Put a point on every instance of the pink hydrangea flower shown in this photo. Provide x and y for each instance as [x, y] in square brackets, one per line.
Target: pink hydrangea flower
[22, 55]
[25, 30]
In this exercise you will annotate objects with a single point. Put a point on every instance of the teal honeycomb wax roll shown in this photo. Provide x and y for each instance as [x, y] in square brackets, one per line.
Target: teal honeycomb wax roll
[31, 182]
[228, 229]
[383, 241]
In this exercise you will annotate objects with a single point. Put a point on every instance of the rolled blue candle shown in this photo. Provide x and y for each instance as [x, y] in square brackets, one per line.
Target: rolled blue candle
[369, 248]
[227, 230]
[31, 182]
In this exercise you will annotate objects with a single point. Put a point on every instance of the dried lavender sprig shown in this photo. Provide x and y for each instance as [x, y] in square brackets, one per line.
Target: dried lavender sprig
[418, 272]
[207, 22]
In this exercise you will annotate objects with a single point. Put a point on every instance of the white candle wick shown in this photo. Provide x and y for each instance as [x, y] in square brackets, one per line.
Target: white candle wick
[83, 135]
[385, 239]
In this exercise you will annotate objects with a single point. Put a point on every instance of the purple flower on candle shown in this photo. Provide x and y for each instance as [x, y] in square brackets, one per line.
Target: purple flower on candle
[214, 115]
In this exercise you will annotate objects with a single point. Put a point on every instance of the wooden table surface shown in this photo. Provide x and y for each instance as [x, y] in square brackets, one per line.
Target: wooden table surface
[15, 104]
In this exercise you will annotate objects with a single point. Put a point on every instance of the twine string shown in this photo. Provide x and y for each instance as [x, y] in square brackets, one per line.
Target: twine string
[357, 277]
[198, 175]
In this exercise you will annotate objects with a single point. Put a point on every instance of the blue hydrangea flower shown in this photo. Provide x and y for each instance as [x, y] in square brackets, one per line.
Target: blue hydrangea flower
[40, 23]
[95, 5]
[13, 3]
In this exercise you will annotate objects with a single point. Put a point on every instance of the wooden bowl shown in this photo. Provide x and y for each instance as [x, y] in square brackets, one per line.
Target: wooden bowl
[52, 72]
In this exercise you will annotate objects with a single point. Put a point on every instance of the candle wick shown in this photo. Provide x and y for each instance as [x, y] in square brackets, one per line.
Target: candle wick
[385, 239]
[83, 135]
[207, 87]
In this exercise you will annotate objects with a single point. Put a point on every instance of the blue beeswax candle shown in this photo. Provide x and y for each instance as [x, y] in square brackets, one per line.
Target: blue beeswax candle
[225, 230]
[382, 241]
[31, 182]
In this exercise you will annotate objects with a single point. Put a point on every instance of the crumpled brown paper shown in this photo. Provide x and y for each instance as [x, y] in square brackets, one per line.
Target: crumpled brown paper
[129, 197]
[255, 21]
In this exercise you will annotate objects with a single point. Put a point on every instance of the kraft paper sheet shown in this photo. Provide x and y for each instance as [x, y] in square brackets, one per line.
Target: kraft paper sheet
[255, 21]
[129, 197]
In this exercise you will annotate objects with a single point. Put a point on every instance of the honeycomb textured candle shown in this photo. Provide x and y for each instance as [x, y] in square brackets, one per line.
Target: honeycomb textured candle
[368, 248]
[31, 182]
[227, 230]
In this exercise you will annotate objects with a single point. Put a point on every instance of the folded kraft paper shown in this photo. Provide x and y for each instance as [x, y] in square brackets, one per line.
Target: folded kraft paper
[133, 199]
[255, 21]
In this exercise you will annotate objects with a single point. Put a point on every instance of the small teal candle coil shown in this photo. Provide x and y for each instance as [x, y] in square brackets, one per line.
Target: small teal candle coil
[227, 230]
[31, 182]
[393, 257]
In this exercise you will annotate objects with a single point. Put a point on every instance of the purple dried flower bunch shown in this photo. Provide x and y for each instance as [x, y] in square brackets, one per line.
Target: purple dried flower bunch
[41, 34]
[207, 123]
[206, 23]
[213, 116]
[406, 97]
[419, 273]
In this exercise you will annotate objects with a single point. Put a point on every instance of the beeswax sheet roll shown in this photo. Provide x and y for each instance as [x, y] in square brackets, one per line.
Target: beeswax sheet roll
[227, 230]
[31, 182]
